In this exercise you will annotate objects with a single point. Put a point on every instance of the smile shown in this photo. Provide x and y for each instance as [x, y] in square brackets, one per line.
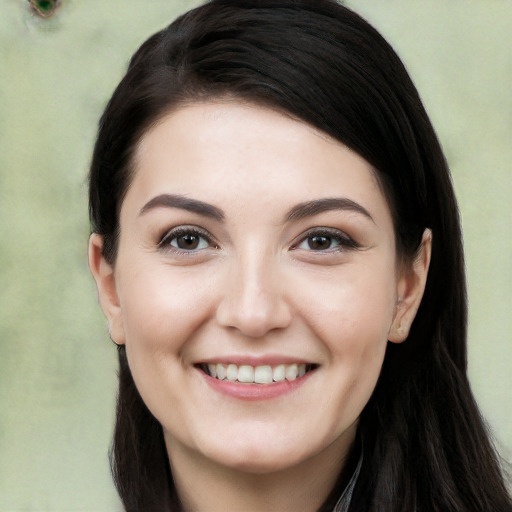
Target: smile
[264, 374]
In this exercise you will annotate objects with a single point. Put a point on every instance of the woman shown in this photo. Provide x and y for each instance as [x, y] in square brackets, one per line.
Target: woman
[277, 250]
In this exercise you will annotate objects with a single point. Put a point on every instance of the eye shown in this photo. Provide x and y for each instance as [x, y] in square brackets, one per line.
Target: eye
[318, 243]
[326, 240]
[189, 242]
[186, 239]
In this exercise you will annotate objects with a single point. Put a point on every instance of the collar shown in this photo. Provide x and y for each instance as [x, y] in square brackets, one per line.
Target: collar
[343, 503]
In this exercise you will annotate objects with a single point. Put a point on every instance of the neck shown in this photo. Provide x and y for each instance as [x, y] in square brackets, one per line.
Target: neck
[203, 485]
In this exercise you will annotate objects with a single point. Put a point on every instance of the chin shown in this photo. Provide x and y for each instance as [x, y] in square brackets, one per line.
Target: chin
[260, 457]
[260, 463]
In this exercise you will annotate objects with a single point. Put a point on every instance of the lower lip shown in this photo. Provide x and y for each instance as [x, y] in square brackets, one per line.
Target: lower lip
[255, 391]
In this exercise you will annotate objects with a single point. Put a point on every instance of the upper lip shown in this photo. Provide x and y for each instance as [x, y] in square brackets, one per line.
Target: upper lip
[251, 360]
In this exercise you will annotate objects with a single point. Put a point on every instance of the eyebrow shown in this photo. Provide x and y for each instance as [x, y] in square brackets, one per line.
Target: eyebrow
[300, 211]
[184, 203]
[310, 208]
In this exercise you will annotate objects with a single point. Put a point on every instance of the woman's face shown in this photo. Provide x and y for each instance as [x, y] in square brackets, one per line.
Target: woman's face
[255, 287]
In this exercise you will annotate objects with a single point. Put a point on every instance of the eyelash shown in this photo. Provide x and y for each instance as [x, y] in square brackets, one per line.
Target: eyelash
[344, 241]
[166, 241]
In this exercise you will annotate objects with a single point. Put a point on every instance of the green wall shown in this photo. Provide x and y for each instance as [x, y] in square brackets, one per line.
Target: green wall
[57, 366]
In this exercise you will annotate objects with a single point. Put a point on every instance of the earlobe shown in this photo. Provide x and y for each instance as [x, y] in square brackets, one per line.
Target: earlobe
[411, 287]
[103, 273]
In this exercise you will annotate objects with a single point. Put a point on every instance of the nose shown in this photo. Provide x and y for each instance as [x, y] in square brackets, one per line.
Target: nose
[254, 297]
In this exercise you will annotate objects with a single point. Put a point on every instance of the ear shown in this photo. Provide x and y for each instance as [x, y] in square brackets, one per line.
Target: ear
[103, 273]
[411, 286]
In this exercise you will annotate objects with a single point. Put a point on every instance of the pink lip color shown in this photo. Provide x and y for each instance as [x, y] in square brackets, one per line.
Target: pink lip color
[270, 360]
[254, 391]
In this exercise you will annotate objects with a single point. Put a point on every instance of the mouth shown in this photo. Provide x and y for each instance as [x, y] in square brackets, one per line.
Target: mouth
[264, 374]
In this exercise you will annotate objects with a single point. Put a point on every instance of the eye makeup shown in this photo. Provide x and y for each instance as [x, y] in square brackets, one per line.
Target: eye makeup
[186, 239]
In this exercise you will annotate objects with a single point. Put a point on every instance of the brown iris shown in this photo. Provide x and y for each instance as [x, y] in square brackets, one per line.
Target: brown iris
[319, 242]
[188, 242]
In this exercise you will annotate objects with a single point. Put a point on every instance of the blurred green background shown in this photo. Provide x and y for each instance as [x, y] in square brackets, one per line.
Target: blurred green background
[57, 366]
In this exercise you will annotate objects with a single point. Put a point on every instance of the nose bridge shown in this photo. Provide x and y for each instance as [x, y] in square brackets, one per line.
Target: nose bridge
[254, 300]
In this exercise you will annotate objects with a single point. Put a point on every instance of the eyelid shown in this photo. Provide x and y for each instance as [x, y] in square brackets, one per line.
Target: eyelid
[170, 234]
[346, 242]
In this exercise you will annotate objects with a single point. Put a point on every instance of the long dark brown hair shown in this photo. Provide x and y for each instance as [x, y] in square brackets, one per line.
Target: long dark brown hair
[426, 447]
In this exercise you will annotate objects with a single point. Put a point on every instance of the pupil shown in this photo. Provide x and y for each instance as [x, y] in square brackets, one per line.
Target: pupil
[319, 242]
[188, 242]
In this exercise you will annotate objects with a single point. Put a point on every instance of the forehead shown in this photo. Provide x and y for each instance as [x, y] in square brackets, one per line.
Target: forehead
[228, 153]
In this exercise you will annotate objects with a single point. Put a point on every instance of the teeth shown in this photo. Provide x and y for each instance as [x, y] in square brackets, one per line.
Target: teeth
[245, 373]
[263, 374]
[232, 372]
[256, 374]
[212, 368]
[279, 373]
[221, 372]
[291, 372]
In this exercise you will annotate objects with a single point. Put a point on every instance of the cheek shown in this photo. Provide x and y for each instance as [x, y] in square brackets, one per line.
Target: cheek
[163, 307]
[355, 335]
[352, 317]
[163, 313]
[352, 307]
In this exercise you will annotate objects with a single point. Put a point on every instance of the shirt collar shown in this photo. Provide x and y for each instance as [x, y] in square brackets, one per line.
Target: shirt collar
[346, 497]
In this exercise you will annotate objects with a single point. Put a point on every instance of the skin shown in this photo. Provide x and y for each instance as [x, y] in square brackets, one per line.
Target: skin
[255, 289]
